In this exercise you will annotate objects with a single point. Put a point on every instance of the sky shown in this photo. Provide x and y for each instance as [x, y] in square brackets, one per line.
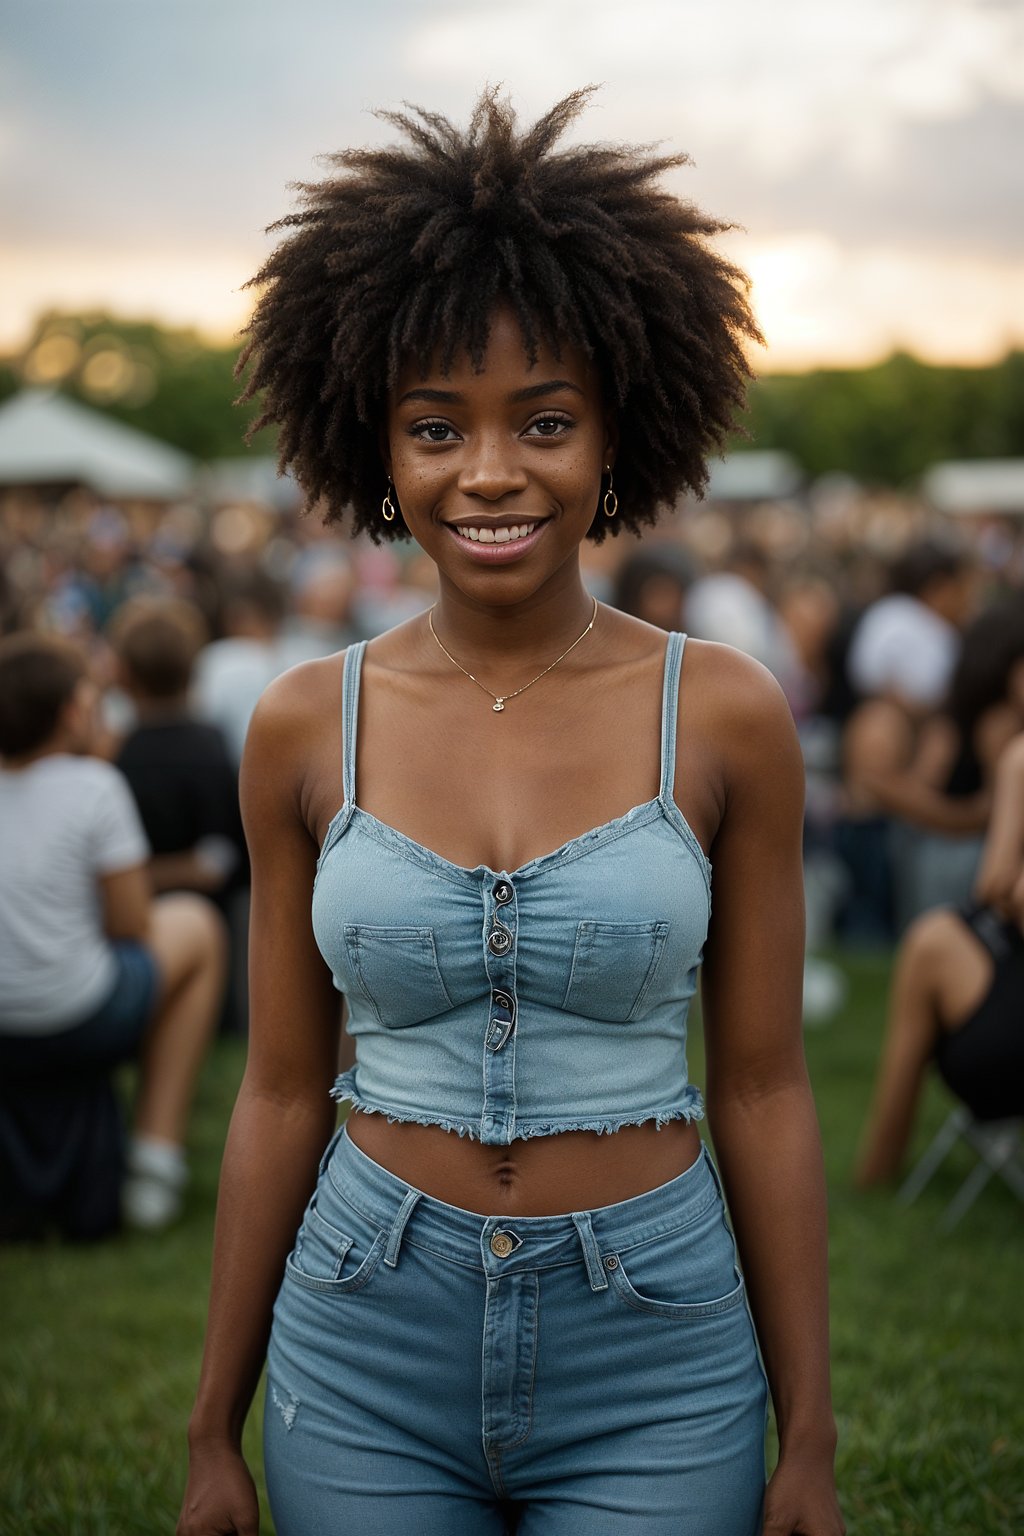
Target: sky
[870, 151]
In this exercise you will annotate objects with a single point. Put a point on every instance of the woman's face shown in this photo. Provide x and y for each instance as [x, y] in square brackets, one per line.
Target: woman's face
[498, 473]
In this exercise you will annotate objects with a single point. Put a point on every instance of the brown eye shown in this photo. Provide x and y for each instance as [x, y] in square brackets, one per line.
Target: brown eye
[550, 426]
[433, 431]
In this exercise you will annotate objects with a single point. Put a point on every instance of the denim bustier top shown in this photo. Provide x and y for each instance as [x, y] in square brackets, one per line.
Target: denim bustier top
[512, 1003]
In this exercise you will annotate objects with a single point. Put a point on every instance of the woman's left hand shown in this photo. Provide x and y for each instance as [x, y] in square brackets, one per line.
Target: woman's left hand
[801, 1499]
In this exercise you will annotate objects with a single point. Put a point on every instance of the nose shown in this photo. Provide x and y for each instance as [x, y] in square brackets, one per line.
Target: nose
[490, 469]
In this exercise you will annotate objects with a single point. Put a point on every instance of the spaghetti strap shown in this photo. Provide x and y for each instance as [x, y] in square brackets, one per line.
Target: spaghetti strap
[350, 718]
[669, 712]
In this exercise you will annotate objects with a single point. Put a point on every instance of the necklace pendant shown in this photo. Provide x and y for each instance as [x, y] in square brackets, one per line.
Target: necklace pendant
[498, 706]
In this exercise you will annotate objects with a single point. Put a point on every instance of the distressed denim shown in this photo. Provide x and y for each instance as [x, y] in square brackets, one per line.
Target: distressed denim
[440, 1373]
[507, 1004]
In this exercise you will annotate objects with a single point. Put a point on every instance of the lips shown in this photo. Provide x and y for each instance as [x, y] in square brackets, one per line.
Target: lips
[495, 543]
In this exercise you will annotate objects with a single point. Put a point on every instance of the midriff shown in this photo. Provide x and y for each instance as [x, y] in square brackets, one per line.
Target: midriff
[542, 1176]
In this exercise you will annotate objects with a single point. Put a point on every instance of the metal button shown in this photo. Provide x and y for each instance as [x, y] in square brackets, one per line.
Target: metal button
[498, 1033]
[502, 893]
[499, 941]
[611, 1262]
[504, 1000]
[501, 1245]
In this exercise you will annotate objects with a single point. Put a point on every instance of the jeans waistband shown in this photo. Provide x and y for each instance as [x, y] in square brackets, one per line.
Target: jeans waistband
[506, 1244]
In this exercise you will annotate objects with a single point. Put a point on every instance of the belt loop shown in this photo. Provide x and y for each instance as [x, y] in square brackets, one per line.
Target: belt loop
[591, 1254]
[405, 1210]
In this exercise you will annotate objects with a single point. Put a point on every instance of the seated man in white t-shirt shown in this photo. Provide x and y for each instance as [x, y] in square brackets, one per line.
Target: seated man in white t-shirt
[92, 970]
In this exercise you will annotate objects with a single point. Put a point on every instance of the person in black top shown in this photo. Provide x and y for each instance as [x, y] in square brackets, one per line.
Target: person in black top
[180, 773]
[958, 995]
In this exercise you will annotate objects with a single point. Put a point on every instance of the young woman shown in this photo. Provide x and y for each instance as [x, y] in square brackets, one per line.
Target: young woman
[957, 996]
[513, 1301]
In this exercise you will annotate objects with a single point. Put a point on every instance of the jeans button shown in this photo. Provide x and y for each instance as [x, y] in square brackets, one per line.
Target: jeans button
[499, 941]
[501, 1245]
[502, 893]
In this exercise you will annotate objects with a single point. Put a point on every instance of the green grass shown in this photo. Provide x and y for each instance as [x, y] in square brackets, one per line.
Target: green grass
[99, 1348]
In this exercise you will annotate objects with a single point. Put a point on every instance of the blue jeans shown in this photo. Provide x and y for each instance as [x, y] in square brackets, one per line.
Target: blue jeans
[440, 1373]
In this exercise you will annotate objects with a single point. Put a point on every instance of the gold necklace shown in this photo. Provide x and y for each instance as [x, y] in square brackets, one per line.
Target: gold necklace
[501, 699]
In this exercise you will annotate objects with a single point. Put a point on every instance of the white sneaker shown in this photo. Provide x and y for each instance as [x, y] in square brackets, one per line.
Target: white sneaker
[151, 1196]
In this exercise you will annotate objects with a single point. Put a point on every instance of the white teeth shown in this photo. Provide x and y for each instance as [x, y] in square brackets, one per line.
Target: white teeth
[496, 535]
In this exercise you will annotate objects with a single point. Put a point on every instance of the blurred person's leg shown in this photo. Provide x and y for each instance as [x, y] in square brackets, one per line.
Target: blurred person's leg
[877, 741]
[942, 976]
[188, 940]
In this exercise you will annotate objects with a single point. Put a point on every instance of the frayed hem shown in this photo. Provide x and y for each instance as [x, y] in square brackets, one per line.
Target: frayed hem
[611, 1123]
[606, 1125]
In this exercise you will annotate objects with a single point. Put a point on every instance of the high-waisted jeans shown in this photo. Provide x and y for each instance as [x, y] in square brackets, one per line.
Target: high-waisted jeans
[432, 1372]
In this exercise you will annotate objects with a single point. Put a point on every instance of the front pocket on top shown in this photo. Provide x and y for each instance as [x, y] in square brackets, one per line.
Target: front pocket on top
[397, 972]
[613, 965]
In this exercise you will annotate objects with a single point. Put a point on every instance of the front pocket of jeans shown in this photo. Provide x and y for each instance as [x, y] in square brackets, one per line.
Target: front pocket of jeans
[326, 1259]
[687, 1272]
[680, 1310]
[396, 970]
[613, 965]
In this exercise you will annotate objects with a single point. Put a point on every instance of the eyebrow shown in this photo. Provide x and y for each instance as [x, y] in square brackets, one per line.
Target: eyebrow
[517, 397]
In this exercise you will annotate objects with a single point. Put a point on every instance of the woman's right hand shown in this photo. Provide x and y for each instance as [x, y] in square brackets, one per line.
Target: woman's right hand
[220, 1498]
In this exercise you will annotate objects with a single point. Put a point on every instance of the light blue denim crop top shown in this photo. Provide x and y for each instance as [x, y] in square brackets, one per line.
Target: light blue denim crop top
[511, 1003]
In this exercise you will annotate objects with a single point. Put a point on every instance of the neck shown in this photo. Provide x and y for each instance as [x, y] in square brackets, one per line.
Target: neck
[51, 748]
[150, 711]
[528, 631]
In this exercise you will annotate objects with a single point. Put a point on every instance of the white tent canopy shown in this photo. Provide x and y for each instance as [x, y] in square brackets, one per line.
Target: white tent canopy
[965, 486]
[47, 439]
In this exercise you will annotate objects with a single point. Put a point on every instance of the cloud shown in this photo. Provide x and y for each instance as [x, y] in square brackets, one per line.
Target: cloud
[165, 134]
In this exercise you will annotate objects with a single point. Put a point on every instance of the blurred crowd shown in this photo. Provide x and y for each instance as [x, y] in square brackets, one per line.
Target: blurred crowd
[896, 635]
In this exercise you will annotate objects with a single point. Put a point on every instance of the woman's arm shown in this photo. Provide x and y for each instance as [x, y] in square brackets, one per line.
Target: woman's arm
[914, 801]
[886, 770]
[125, 903]
[282, 1120]
[760, 1107]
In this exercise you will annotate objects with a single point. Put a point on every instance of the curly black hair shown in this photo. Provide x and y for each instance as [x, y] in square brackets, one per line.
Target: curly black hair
[403, 254]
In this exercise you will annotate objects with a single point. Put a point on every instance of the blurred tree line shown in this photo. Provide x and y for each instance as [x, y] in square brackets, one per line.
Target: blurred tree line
[885, 424]
[888, 423]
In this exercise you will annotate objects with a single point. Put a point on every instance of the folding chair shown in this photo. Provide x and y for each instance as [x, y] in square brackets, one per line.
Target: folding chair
[999, 1145]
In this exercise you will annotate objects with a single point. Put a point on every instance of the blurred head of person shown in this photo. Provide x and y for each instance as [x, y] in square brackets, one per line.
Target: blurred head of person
[156, 641]
[652, 585]
[751, 563]
[942, 576]
[809, 608]
[254, 603]
[47, 699]
[322, 589]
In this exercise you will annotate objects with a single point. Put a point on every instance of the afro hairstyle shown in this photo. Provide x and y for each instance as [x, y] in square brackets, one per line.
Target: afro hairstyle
[402, 254]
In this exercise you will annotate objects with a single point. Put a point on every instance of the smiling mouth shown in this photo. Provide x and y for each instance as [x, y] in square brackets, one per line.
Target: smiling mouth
[485, 535]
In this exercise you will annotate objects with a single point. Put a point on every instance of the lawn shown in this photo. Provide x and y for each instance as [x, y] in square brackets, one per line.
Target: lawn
[99, 1348]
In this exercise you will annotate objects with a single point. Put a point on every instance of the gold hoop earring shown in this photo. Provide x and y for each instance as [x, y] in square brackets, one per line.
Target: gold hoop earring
[611, 501]
[387, 506]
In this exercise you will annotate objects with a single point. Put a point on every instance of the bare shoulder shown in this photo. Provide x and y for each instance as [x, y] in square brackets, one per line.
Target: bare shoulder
[296, 724]
[737, 698]
[295, 700]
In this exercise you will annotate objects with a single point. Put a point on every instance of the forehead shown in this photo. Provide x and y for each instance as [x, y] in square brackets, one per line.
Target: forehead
[506, 365]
